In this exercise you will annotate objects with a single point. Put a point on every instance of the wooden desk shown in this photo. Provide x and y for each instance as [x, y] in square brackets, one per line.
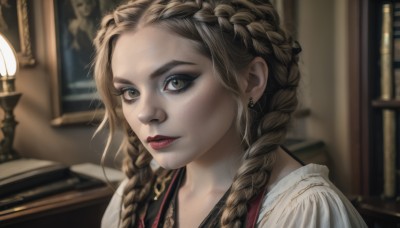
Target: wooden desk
[65, 210]
[379, 213]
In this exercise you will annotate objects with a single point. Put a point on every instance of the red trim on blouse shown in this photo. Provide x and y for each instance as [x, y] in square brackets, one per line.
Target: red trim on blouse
[167, 194]
[254, 210]
[252, 214]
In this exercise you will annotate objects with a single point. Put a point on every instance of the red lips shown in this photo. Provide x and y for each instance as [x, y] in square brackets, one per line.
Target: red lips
[159, 141]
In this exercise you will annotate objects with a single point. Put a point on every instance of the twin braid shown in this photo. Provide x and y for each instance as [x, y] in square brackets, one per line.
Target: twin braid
[137, 168]
[270, 42]
[255, 25]
[136, 165]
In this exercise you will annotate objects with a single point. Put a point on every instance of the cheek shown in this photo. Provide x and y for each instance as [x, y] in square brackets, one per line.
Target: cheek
[208, 110]
[131, 117]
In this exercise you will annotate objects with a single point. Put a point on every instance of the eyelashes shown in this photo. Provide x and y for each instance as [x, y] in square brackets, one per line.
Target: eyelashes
[128, 94]
[173, 84]
[178, 83]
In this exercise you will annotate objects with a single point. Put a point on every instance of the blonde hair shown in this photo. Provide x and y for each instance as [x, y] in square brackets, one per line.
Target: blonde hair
[231, 34]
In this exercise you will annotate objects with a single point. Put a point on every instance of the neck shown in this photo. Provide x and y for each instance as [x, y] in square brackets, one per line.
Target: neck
[283, 166]
[215, 170]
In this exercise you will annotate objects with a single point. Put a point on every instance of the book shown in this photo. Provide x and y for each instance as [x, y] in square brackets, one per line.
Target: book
[25, 180]
[388, 116]
[21, 174]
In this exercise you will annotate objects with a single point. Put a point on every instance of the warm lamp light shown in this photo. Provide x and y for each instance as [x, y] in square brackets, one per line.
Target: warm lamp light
[8, 99]
[8, 65]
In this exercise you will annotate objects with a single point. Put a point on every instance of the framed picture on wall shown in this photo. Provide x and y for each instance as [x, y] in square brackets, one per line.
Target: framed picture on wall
[75, 27]
[14, 25]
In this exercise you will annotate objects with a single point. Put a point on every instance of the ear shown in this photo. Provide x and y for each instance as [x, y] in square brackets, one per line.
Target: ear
[256, 78]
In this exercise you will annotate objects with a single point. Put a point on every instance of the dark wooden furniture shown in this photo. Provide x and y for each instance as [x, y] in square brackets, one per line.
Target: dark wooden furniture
[364, 17]
[378, 212]
[70, 209]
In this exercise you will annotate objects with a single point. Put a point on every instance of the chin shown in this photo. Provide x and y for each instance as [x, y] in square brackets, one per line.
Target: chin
[171, 166]
[169, 163]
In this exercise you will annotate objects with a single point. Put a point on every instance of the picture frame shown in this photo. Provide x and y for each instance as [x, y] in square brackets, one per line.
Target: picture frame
[14, 25]
[74, 95]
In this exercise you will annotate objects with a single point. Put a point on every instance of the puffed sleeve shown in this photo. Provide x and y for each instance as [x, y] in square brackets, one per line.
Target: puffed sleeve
[111, 215]
[317, 207]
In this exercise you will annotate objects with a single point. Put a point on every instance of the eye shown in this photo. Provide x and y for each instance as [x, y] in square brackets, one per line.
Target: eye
[128, 94]
[178, 83]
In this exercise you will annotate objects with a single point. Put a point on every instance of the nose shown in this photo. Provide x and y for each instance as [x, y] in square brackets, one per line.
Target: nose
[151, 111]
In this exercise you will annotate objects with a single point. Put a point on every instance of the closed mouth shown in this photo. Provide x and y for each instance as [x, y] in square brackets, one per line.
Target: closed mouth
[159, 138]
[159, 142]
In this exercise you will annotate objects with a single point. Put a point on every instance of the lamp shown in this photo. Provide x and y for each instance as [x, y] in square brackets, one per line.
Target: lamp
[8, 99]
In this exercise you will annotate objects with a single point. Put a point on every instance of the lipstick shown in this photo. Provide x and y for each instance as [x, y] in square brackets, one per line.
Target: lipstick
[159, 142]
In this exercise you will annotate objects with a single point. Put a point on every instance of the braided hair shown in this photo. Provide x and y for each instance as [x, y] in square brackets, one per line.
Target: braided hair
[231, 33]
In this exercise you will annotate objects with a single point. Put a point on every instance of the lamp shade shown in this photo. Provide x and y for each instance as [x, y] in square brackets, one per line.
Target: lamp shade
[8, 60]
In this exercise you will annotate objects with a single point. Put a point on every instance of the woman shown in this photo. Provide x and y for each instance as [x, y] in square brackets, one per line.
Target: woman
[207, 89]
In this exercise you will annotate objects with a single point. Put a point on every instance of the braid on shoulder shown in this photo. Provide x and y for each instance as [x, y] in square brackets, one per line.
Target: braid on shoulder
[136, 165]
[138, 171]
[273, 112]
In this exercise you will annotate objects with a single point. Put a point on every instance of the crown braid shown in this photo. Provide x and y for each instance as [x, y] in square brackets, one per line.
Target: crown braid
[232, 33]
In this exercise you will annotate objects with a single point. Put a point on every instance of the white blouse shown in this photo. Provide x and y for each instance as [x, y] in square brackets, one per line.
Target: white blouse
[304, 198]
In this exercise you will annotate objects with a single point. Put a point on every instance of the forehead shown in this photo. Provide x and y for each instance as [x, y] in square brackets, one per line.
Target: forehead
[150, 47]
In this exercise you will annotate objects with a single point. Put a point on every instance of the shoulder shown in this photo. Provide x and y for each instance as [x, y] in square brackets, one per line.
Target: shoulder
[112, 212]
[306, 198]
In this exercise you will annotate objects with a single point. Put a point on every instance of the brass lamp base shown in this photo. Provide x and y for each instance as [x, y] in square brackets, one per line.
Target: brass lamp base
[8, 101]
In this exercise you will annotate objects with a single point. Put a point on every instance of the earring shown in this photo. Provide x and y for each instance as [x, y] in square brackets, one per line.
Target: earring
[251, 103]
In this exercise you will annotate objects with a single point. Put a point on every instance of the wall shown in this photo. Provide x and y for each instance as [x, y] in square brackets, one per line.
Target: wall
[322, 33]
[35, 137]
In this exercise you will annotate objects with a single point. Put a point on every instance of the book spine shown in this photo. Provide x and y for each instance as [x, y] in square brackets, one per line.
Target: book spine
[389, 151]
[389, 166]
[386, 52]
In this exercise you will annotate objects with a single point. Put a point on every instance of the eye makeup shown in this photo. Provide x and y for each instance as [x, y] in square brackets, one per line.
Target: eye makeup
[178, 83]
[173, 83]
[128, 94]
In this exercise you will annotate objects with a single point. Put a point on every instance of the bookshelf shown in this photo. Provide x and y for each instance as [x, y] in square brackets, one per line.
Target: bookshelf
[368, 108]
[386, 104]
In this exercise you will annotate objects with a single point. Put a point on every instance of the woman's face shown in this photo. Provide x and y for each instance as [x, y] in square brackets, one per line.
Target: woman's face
[83, 7]
[171, 97]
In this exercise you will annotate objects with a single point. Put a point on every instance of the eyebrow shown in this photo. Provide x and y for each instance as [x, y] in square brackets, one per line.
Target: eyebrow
[158, 72]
